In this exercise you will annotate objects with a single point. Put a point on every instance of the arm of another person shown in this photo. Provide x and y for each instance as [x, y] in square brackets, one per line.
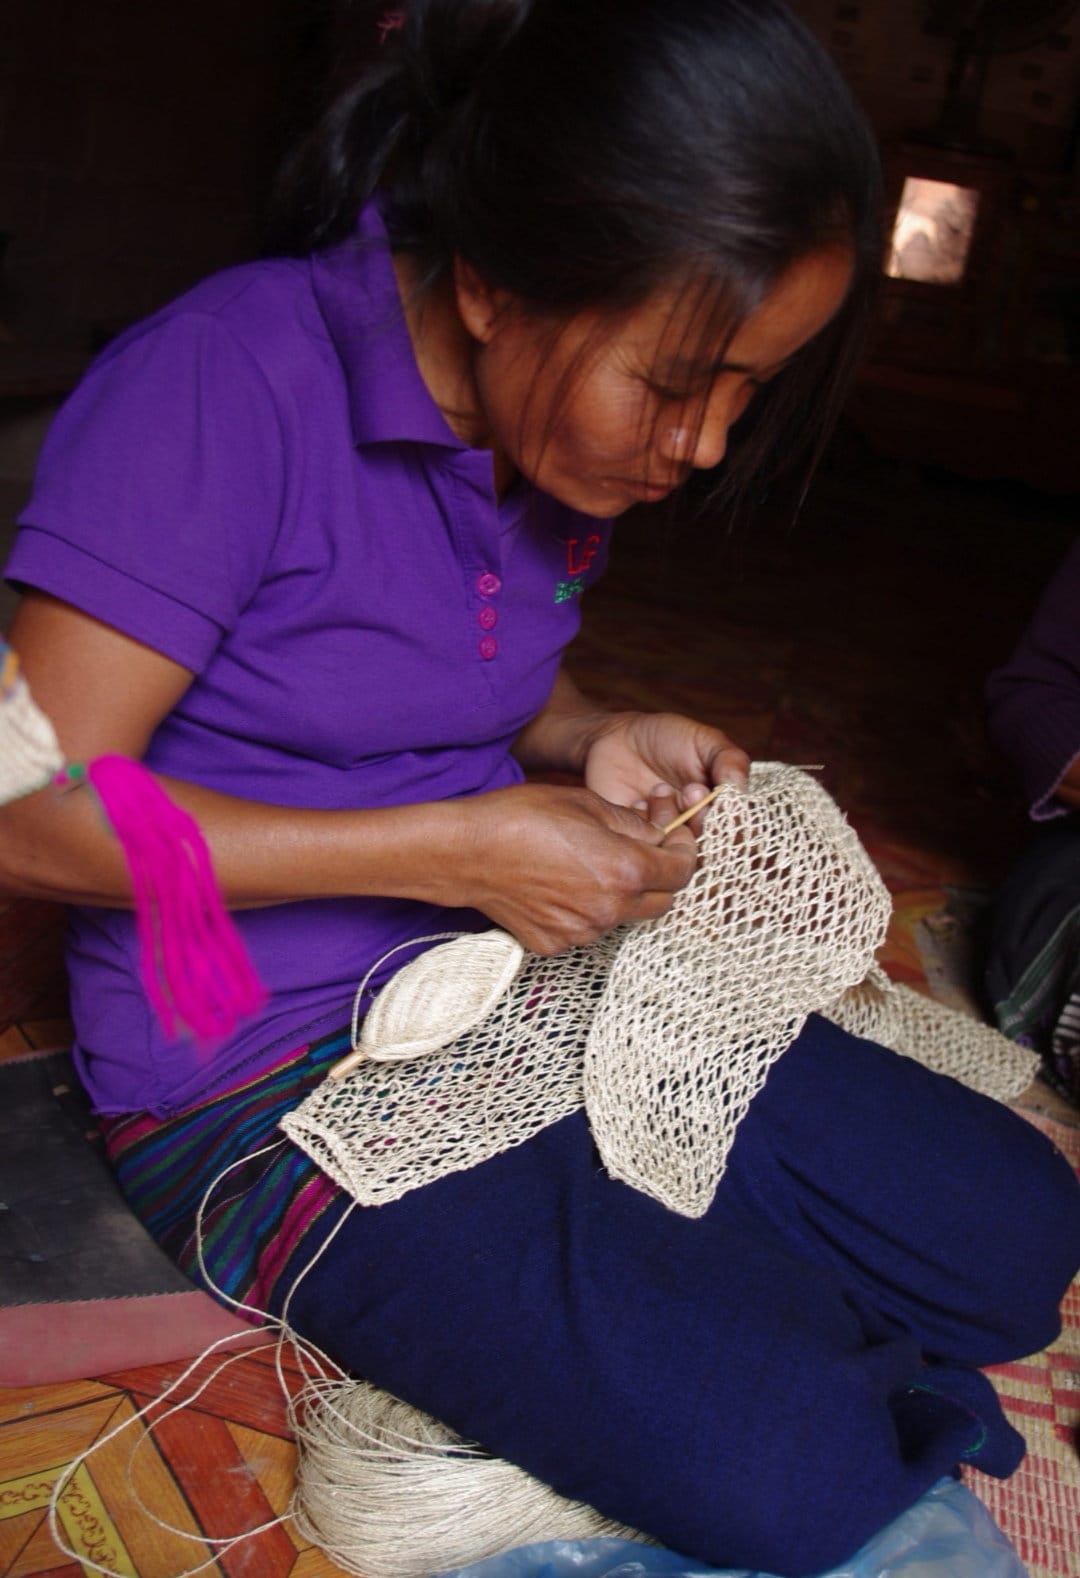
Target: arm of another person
[1068, 789]
[555, 866]
[1033, 700]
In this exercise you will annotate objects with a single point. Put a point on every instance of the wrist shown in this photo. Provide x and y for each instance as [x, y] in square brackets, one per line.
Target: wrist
[426, 851]
[560, 740]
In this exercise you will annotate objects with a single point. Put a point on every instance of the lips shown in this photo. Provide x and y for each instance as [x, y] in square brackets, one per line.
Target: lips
[650, 492]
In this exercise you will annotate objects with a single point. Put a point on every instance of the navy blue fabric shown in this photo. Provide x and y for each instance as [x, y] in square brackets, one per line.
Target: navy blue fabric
[765, 1387]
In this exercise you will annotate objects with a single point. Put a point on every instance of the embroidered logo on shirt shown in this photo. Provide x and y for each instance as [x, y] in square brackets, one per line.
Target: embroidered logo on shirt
[577, 563]
[580, 553]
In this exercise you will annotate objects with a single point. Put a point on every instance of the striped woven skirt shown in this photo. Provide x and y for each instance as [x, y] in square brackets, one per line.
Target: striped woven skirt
[263, 1198]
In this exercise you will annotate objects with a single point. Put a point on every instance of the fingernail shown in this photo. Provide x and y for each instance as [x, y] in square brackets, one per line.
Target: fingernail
[661, 791]
[735, 776]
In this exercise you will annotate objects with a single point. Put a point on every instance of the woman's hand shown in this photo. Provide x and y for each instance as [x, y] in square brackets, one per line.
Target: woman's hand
[557, 866]
[629, 758]
[638, 758]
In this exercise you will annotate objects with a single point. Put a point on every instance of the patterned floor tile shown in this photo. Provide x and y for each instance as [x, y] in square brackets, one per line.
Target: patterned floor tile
[146, 1500]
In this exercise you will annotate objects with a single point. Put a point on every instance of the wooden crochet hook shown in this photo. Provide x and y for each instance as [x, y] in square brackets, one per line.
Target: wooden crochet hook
[692, 811]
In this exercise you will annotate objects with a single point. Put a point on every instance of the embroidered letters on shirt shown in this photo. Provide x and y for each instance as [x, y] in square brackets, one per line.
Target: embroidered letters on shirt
[577, 563]
[580, 554]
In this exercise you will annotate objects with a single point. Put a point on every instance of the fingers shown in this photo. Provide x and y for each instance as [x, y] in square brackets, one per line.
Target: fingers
[696, 799]
[636, 875]
[652, 906]
[729, 765]
[670, 861]
[662, 806]
[669, 811]
[564, 865]
[695, 756]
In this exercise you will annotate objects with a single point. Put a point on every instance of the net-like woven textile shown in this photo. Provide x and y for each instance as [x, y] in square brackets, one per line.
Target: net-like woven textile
[938, 1037]
[29, 752]
[389, 1127]
[783, 913]
[665, 1030]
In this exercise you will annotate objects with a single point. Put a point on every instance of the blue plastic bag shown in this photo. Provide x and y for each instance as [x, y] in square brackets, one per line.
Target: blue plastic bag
[946, 1534]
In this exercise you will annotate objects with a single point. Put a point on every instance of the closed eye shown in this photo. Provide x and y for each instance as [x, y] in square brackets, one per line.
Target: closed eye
[675, 396]
[672, 396]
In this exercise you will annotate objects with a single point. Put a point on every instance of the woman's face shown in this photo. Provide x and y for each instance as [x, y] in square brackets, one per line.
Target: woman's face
[603, 413]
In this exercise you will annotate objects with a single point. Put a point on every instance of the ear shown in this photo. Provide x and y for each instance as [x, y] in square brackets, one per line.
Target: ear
[479, 304]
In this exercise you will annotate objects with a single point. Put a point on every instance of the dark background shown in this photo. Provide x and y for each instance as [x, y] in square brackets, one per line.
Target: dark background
[138, 137]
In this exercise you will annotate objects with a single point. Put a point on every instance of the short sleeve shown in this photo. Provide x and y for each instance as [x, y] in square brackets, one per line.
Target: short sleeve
[160, 486]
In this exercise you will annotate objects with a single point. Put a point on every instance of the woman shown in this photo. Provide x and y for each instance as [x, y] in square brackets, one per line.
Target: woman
[311, 543]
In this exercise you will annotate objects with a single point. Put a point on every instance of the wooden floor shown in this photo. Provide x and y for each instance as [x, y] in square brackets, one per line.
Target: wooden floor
[858, 640]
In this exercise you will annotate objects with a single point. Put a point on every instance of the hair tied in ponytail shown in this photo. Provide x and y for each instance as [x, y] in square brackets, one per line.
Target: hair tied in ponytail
[390, 22]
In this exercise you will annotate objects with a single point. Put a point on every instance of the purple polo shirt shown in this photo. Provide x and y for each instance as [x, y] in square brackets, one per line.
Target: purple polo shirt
[257, 483]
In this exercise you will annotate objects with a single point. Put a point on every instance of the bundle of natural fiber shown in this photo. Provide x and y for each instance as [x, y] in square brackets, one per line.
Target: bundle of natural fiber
[444, 993]
[665, 1030]
[389, 1492]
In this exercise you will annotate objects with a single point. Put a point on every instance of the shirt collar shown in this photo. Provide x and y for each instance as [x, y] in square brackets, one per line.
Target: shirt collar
[357, 292]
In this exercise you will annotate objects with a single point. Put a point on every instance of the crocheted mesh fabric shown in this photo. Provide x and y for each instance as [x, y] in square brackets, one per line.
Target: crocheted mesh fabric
[664, 1030]
[938, 1037]
[392, 1126]
[29, 752]
[784, 911]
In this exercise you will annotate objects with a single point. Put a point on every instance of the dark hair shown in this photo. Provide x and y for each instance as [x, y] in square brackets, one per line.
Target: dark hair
[582, 153]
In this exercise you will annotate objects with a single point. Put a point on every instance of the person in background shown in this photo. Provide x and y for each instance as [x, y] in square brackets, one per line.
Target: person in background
[311, 543]
[1032, 977]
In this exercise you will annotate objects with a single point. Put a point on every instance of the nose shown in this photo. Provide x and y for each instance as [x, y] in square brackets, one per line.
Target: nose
[712, 437]
[703, 445]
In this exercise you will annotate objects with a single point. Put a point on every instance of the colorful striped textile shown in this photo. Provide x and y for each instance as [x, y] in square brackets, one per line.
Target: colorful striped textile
[273, 1197]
